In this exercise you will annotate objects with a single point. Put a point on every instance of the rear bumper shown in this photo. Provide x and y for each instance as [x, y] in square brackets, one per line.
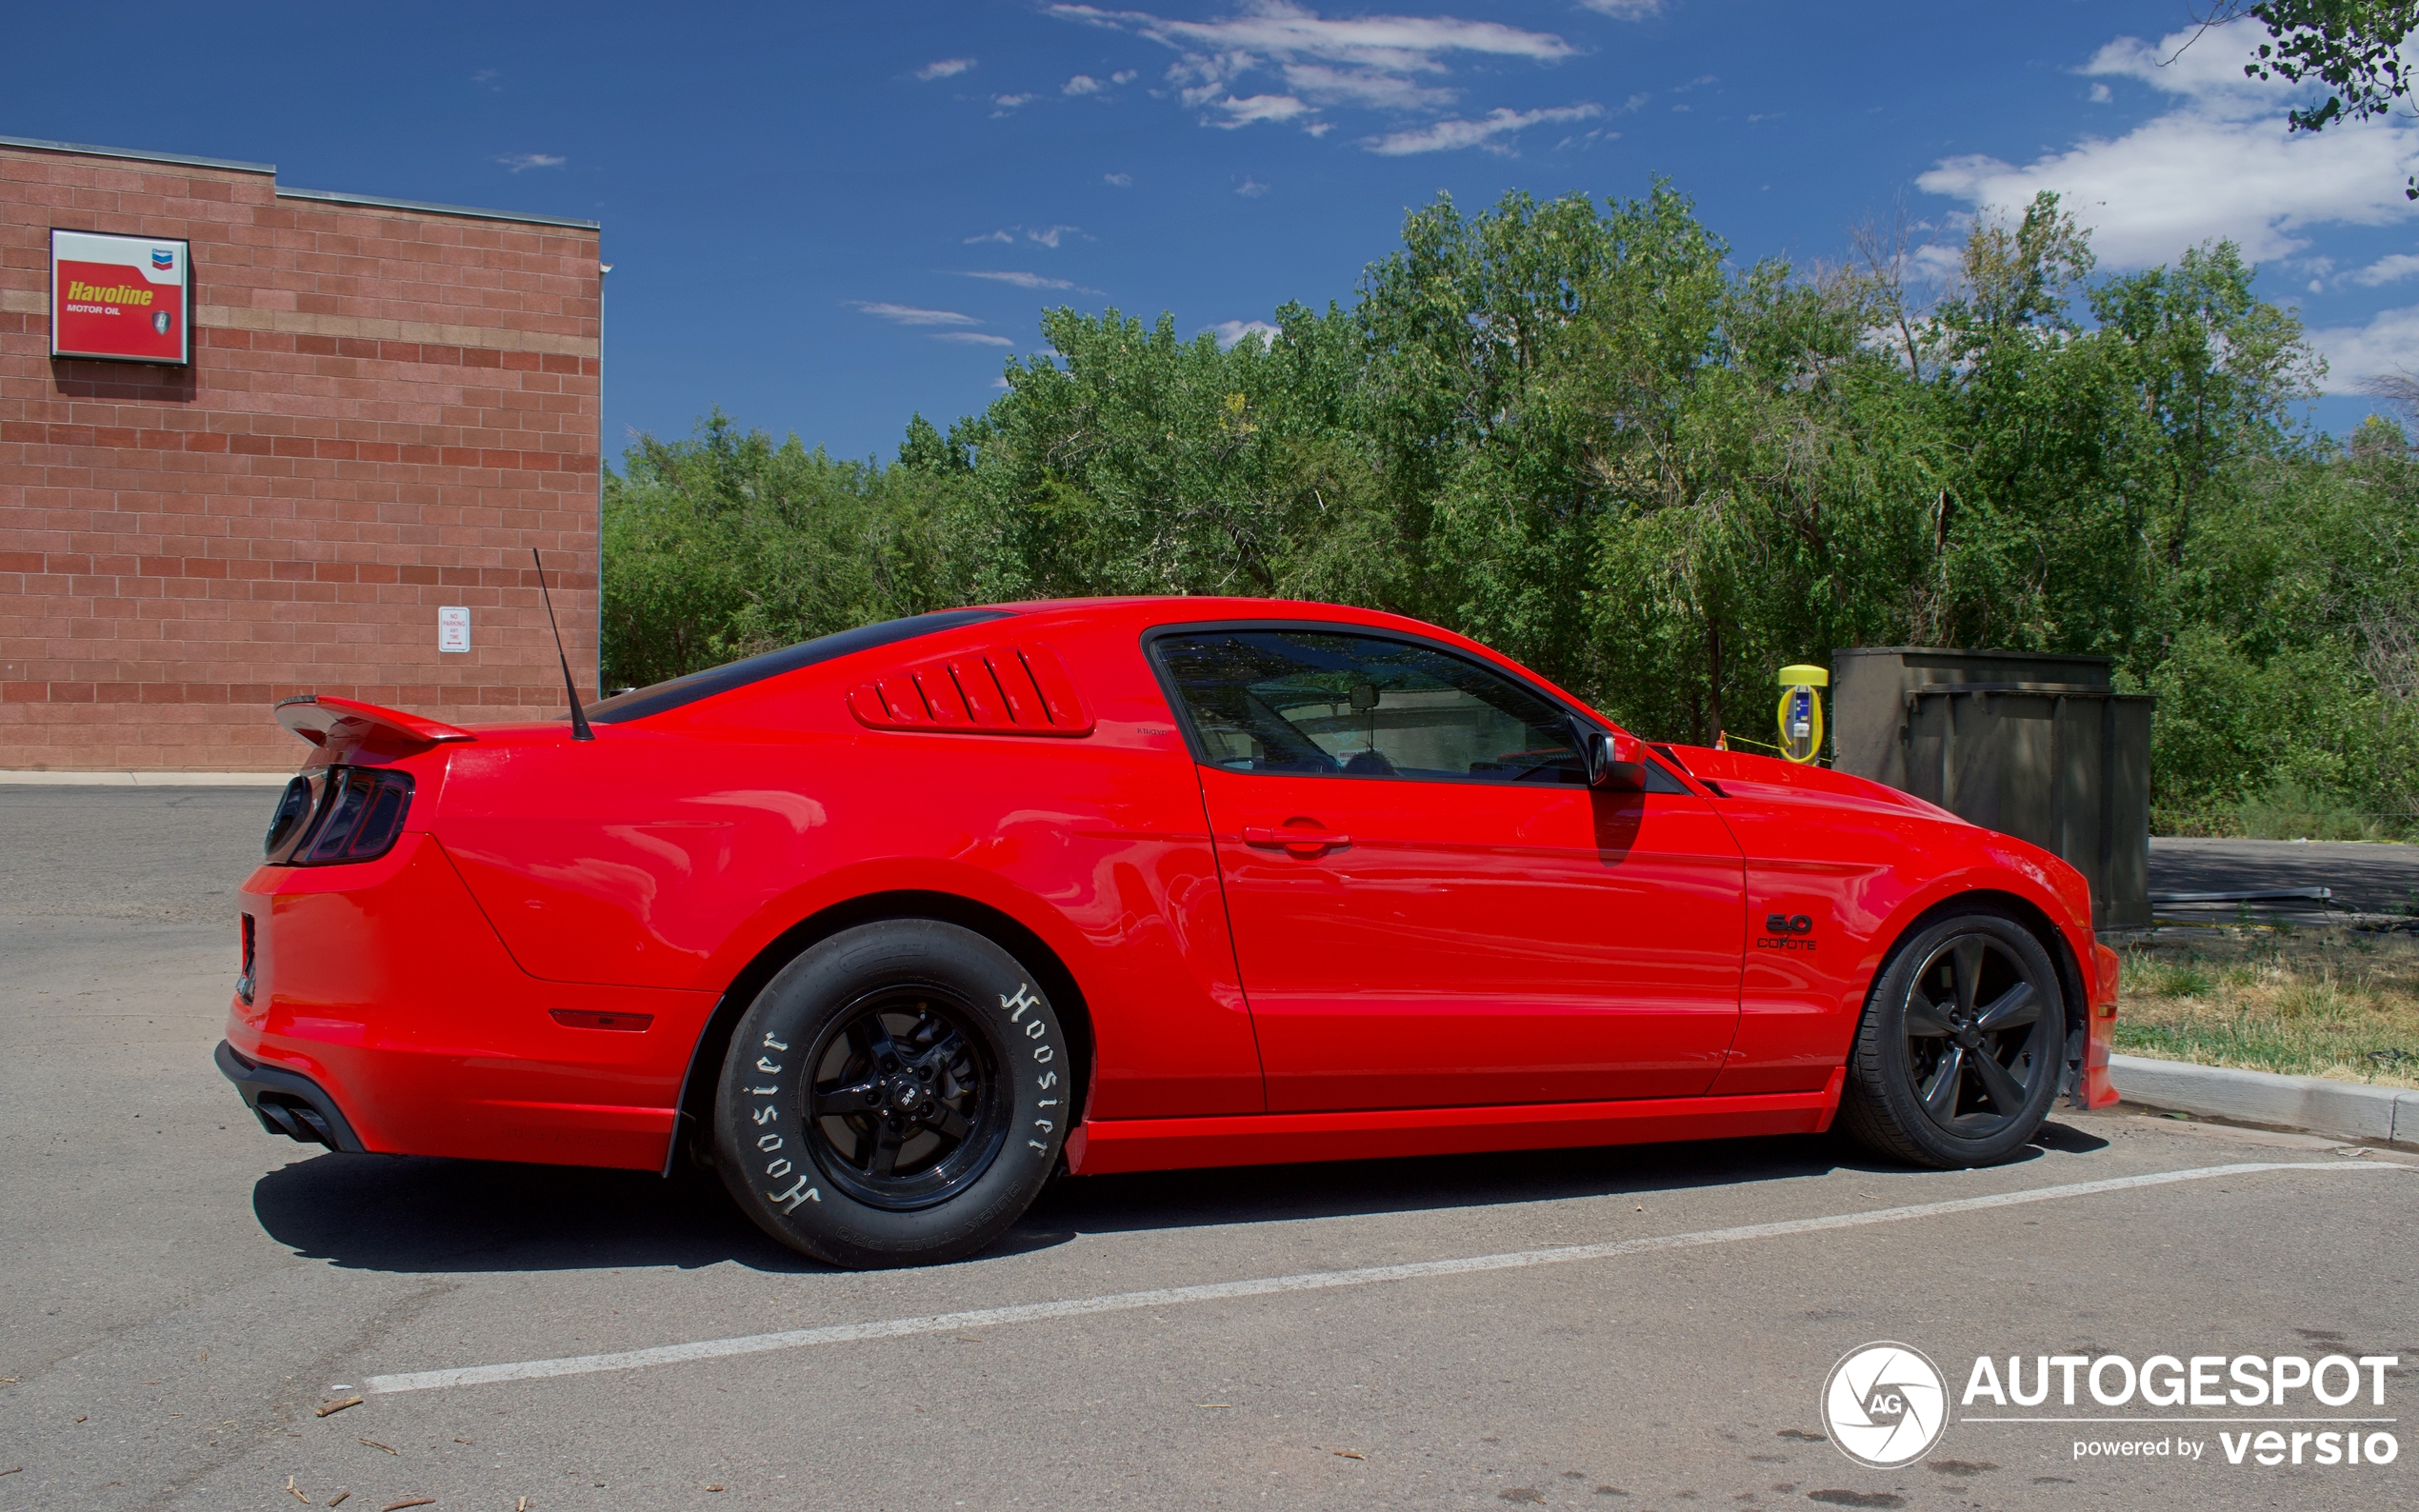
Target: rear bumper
[288, 1103]
[380, 987]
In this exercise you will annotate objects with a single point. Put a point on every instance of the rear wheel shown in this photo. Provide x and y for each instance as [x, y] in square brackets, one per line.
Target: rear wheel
[895, 1096]
[1962, 1044]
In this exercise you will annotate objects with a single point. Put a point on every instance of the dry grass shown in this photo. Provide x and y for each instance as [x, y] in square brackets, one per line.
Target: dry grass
[2330, 1003]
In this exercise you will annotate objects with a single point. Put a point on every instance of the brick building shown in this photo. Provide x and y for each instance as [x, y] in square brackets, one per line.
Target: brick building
[388, 403]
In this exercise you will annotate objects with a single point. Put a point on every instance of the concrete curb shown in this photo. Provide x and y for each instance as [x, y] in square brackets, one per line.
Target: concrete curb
[2389, 1115]
[148, 779]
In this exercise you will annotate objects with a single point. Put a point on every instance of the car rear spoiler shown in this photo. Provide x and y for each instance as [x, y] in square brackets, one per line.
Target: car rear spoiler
[341, 726]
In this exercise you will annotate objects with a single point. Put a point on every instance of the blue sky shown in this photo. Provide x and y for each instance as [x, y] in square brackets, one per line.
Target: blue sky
[825, 217]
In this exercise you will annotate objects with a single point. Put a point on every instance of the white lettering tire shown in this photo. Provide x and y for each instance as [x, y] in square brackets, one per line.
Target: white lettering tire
[894, 1096]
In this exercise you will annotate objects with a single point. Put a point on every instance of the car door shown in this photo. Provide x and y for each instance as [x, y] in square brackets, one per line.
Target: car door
[1430, 905]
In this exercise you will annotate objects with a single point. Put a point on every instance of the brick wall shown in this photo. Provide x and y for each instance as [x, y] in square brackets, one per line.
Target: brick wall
[386, 409]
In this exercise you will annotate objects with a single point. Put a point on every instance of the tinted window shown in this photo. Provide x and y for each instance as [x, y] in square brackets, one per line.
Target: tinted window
[655, 699]
[1336, 704]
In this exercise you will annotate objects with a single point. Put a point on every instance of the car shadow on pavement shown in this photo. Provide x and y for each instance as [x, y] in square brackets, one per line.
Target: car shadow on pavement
[416, 1215]
[1346, 1188]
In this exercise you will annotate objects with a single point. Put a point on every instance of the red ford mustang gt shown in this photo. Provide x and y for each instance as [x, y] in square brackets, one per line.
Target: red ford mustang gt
[891, 926]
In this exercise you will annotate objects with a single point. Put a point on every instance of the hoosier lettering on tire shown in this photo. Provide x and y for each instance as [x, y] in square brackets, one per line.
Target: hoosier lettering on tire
[894, 1096]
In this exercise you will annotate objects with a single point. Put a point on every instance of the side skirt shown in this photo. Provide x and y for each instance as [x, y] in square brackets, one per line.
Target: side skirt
[1108, 1147]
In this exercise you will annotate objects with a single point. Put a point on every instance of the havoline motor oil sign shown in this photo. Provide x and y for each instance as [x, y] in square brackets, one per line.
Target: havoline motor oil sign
[127, 298]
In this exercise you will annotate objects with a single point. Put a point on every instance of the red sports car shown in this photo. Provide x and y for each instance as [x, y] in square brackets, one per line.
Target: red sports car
[891, 926]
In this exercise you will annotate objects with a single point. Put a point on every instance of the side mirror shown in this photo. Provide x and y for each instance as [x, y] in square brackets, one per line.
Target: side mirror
[1615, 763]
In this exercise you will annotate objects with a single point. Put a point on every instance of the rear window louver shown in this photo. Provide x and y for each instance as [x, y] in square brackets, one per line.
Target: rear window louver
[1002, 690]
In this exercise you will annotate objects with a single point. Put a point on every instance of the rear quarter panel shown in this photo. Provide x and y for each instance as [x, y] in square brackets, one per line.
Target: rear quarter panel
[670, 852]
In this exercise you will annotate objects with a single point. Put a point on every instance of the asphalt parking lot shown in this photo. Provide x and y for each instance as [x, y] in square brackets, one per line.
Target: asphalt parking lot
[1642, 1328]
[2365, 878]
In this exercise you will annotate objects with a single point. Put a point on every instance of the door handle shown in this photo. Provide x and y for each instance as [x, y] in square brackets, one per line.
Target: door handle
[1297, 842]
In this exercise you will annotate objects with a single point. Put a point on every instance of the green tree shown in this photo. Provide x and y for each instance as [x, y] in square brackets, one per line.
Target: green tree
[726, 544]
[2354, 47]
[1583, 431]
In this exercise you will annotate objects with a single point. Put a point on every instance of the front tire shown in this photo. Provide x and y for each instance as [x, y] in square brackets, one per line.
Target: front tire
[1962, 1044]
[894, 1096]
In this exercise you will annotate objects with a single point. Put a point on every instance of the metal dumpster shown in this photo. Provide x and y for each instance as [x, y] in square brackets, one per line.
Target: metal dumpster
[2036, 746]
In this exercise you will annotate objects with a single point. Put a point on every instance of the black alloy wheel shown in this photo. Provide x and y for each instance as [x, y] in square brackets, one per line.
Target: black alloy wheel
[896, 1095]
[1962, 1044]
[905, 1107]
[1978, 1042]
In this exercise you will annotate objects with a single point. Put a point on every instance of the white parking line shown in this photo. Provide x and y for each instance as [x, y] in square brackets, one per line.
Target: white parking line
[1313, 1280]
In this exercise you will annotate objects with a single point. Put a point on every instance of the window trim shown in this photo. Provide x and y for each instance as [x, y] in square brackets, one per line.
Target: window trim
[1182, 710]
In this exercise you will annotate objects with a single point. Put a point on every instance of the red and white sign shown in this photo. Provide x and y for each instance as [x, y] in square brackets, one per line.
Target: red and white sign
[123, 297]
[453, 628]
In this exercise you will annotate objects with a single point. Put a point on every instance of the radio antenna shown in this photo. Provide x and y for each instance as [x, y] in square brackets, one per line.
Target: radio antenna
[579, 719]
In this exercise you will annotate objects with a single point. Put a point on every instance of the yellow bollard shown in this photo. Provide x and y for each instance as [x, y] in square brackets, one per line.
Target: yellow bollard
[1801, 712]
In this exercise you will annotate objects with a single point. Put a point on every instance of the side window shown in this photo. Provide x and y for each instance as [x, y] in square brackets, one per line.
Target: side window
[1319, 702]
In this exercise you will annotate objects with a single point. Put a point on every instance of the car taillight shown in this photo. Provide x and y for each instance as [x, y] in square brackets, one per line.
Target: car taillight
[356, 816]
[293, 807]
[244, 982]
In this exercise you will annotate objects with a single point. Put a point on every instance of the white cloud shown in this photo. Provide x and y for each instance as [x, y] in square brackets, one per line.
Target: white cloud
[2219, 164]
[523, 162]
[945, 69]
[1120, 179]
[973, 338]
[1629, 106]
[1124, 76]
[2387, 344]
[1049, 236]
[1024, 280]
[2383, 271]
[2195, 64]
[1082, 83]
[1230, 331]
[992, 236]
[1364, 86]
[1009, 102]
[1369, 62]
[1251, 188]
[1447, 136]
[1624, 9]
[1286, 30]
[910, 315]
[1260, 107]
[2102, 94]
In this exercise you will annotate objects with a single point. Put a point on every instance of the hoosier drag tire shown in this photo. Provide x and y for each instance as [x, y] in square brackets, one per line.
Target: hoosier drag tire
[894, 1096]
[1962, 1044]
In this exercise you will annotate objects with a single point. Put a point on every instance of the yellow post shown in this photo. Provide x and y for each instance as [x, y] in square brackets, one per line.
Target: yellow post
[1801, 712]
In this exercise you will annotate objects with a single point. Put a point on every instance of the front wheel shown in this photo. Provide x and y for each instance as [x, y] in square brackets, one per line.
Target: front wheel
[895, 1096]
[1962, 1044]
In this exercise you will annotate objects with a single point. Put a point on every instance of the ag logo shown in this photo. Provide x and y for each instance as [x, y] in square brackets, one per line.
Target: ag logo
[1885, 1403]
